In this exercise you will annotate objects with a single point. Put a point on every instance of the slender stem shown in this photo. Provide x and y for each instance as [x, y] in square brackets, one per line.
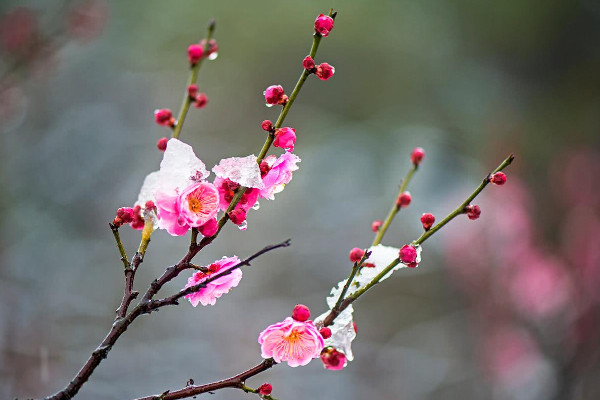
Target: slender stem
[395, 207]
[459, 210]
[187, 100]
[124, 259]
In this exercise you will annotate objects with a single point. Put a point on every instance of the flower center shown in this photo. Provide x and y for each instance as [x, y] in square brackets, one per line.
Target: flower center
[195, 204]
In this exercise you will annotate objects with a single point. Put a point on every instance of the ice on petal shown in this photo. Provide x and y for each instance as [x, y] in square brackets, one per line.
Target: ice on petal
[180, 166]
[149, 187]
[242, 170]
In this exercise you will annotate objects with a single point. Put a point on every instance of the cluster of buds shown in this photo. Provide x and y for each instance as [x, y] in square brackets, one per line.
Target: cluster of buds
[323, 71]
[197, 51]
[133, 216]
[200, 99]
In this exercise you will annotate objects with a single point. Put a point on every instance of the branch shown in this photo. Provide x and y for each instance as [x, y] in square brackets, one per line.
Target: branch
[459, 210]
[173, 300]
[187, 101]
[122, 323]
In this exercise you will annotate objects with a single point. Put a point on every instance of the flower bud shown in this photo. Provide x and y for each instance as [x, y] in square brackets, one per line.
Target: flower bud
[195, 52]
[408, 254]
[417, 155]
[473, 211]
[308, 63]
[274, 95]
[200, 100]
[209, 228]
[325, 71]
[403, 200]
[499, 178]
[323, 25]
[325, 332]
[162, 143]
[285, 138]
[375, 225]
[356, 254]
[427, 220]
[266, 125]
[333, 359]
[301, 313]
[265, 389]
[264, 168]
[237, 216]
[164, 117]
[192, 91]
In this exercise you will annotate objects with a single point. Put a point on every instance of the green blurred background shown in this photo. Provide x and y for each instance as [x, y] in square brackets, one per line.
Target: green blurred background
[470, 81]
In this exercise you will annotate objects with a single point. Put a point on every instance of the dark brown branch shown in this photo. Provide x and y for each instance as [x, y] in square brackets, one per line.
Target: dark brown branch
[233, 382]
[144, 307]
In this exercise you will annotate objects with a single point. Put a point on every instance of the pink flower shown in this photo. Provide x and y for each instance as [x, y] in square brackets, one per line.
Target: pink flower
[375, 225]
[215, 289]
[333, 359]
[285, 138]
[279, 174]
[292, 341]
[325, 71]
[227, 190]
[323, 25]
[196, 205]
[209, 228]
[274, 95]
[162, 144]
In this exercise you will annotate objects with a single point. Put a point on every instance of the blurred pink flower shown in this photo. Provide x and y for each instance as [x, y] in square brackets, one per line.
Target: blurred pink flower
[217, 288]
[291, 341]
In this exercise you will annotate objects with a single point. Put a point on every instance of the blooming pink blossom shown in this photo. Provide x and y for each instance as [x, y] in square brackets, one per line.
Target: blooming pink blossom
[325, 71]
[285, 138]
[215, 289]
[279, 174]
[291, 341]
[323, 25]
[333, 359]
[196, 205]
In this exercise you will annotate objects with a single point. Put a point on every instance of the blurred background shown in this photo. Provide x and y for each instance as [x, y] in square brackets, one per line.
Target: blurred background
[505, 307]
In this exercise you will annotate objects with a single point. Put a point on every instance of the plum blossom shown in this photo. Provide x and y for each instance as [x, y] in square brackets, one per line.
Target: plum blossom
[285, 138]
[182, 197]
[279, 173]
[292, 341]
[215, 289]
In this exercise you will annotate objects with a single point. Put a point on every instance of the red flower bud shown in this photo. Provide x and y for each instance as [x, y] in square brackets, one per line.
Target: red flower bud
[195, 52]
[375, 225]
[325, 332]
[162, 143]
[213, 48]
[192, 91]
[200, 100]
[403, 200]
[164, 117]
[408, 254]
[356, 254]
[301, 313]
[325, 71]
[333, 359]
[237, 216]
[265, 389]
[427, 220]
[417, 155]
[473, 211]
[323, 25]
[499, 178]
[274, 94]
[308, 63]
[266, 125]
